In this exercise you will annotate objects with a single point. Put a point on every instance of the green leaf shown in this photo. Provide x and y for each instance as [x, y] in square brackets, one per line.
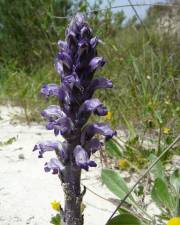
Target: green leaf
[161, 195]
[56, 220]
[115, 183]
[125, 219]
[158, 169]
[112, 149]
[9, 141]
[175, 180]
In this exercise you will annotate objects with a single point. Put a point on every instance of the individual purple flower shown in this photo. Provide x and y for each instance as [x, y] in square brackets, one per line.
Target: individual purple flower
[94, 41]
[82, 158]
[63, 126]
[96, 128]
[55, 165]
[50, 145]
[66, 61]
[57, 120]
[96, 63]
[53, 111]
[93, 145]
[71, 81]
[91, 105]
[50, 90]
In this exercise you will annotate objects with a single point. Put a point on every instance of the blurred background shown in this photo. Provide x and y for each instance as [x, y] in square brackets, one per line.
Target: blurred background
[141, 46]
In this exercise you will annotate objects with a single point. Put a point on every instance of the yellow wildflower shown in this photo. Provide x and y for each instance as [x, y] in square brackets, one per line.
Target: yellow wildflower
[174, 221]
[122, 164]
[166, 130]
[108, 116]
[55, 205]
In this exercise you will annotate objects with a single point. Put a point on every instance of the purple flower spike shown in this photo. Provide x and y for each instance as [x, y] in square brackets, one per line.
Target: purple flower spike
[82, 158]
[76, 62]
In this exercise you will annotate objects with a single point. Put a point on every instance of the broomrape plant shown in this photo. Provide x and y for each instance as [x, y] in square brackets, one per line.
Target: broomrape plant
[76, 63]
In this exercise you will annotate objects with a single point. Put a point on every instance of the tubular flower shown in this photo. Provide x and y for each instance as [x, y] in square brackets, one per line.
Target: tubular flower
[76, 63]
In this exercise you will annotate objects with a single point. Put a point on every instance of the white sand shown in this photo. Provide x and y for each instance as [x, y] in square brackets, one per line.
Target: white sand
[26, 190]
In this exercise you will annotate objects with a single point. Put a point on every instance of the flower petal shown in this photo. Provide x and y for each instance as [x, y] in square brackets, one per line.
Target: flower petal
[96, 63]
[97, 128]
[66, 60]
[64, 96]
[64, 125]
[50, 145]
[82, 158]
[59, 68]
[92, 105]
[93, 145]
[55, 165]
[83, 48]
[62, 44]
[94, 41]
[71, 40]
[53, 112]
[85, 32]
[50, 90]
[97, 83]
[71, 80]
[100, 82]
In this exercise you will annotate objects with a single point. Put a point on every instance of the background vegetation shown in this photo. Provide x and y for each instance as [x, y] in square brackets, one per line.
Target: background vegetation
[143, 63]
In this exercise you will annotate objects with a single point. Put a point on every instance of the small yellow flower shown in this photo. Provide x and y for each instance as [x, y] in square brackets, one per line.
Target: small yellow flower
[108, 116]
[174, 221]
[166, 130]
[122, 164]
[55, 205]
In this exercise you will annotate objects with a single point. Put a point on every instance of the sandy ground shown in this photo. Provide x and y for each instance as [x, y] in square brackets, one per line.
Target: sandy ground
[26, 190]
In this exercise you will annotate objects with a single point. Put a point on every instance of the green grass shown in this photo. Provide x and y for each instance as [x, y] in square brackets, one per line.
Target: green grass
[144, 71]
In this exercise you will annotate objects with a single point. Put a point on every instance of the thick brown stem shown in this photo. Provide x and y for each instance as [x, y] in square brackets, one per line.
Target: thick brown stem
[73, 197]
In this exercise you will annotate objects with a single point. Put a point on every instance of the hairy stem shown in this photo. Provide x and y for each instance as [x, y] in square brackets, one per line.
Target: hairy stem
[73, 198]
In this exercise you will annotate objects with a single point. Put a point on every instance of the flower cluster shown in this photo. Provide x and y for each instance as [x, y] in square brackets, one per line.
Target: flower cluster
[76, 63]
